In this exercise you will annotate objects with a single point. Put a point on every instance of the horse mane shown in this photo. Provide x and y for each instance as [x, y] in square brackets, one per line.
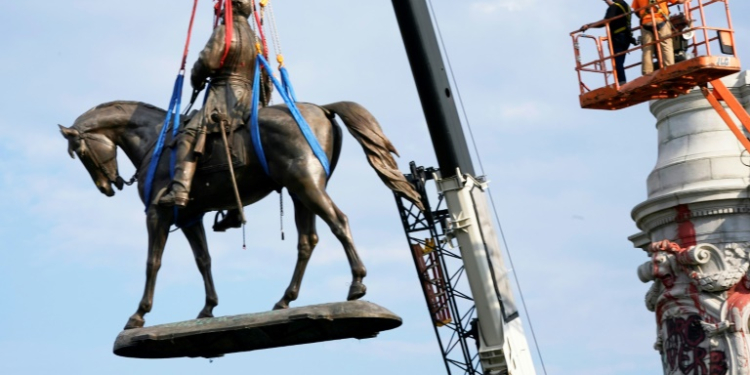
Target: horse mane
[89, 119]
[127, 102]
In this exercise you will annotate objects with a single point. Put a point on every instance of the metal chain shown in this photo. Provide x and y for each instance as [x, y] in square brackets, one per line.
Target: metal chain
[281, 217]
[132, 179]
[274, 32]
[255, 31]
[244, 244]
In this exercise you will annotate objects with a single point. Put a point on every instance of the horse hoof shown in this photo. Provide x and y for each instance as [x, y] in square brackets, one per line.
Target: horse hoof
[135, 322]
[205, 314]
[281, 305]
[356, 291]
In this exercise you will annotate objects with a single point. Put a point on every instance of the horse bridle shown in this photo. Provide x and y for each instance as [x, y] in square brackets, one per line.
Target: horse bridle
[113, 177]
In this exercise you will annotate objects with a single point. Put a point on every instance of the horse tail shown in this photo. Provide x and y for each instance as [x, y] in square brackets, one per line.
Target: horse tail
[366, 130]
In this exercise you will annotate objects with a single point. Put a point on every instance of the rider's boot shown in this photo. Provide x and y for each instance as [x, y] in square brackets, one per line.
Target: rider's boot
[183, 174]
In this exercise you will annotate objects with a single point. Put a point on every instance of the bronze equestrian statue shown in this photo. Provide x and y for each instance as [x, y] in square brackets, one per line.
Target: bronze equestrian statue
[134, 127]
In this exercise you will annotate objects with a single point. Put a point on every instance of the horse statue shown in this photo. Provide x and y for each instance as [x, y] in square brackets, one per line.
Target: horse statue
[134, 127]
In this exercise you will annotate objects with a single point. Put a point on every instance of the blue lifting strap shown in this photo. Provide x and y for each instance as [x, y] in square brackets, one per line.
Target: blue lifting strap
[287, 83]
[172, 113]
[287, 93]
[254, 129]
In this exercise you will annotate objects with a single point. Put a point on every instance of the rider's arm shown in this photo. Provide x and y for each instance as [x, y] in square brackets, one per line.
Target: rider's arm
[209, 59]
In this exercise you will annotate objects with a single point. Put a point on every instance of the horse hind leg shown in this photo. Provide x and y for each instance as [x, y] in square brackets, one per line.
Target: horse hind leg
[307, 239]
[317, 200]
[357, 289]
[158, 230]
[196, 236]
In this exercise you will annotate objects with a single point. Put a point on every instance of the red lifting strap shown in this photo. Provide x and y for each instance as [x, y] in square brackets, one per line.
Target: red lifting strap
[260, 30]
[190, 32]
[217, 12]
[228, 22]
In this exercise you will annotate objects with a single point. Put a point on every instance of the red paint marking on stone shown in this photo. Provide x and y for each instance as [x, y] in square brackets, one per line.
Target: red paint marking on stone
[685, 228]
[694, 295]
[739, 295]
[666, 299]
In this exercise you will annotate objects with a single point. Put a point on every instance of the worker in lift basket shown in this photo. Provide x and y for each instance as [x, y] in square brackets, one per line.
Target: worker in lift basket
[660, 21]
[621, 32]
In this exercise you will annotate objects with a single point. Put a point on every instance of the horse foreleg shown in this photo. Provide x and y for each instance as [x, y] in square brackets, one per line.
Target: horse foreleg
[307, 239]
[196, 236]
[321, 204]
[158, 231]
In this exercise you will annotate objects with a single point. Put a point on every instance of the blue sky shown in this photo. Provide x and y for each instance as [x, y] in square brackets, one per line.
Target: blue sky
[564, 181]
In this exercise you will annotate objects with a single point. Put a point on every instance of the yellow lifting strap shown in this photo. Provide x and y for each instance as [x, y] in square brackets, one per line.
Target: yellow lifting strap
[628, 16]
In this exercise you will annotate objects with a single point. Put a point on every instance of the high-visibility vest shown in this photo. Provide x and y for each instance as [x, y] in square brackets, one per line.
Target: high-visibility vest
[628, 14]
[661, 11]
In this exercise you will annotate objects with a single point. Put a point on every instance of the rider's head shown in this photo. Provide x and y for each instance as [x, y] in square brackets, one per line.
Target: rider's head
[243, 7]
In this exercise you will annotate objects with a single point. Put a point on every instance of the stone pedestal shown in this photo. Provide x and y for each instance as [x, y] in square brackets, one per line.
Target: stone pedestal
[696, 229]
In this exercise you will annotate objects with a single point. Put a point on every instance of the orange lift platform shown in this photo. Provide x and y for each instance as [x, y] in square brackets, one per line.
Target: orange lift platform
[704, 53]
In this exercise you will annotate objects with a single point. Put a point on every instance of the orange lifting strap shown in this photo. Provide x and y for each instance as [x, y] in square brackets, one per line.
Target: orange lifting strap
[703, 53]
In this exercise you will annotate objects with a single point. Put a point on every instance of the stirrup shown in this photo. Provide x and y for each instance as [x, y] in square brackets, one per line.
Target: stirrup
[225, 222]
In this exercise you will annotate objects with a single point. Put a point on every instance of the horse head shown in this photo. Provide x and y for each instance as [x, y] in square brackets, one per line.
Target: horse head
[98, 154]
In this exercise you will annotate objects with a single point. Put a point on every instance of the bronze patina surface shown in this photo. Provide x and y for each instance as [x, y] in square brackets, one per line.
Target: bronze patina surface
[214, 337]
[134, 127]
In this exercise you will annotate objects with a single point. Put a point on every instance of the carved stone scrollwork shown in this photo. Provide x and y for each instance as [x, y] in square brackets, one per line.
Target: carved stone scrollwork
[701, 298]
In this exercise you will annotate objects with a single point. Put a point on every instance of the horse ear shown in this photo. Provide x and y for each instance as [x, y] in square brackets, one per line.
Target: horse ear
[69, 133]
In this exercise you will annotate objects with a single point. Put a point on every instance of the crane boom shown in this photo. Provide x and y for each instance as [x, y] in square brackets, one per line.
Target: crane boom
[502, 345]
[433, 86]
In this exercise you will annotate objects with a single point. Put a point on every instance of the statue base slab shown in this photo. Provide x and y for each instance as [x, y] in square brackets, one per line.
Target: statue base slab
[214, 337]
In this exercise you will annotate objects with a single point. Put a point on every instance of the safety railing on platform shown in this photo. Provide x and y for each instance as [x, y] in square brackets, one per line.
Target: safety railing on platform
[703, 29]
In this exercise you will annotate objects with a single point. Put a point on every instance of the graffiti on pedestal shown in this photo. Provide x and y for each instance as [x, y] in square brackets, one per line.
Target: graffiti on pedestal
[701, 298]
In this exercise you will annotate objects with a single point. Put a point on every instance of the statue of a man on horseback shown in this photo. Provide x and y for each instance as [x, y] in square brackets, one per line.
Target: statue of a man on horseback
[230, 69]
[289, 161]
